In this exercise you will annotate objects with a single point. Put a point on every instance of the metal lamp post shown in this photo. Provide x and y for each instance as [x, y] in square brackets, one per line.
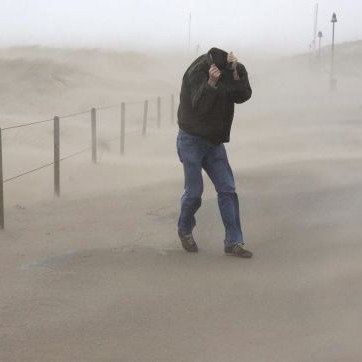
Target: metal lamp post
[333, 81]
[320, 35]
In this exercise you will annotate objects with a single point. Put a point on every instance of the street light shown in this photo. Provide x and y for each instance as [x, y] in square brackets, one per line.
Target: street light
[333, 81]
[320, 34]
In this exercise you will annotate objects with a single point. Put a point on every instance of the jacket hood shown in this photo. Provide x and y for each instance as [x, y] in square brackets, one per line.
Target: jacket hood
[218, 57]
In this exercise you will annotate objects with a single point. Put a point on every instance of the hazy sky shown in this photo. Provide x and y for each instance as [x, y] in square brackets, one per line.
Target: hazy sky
[138, 24]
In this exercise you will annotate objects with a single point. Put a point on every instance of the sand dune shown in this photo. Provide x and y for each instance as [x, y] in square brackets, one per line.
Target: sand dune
[42, 82]
[99, 274]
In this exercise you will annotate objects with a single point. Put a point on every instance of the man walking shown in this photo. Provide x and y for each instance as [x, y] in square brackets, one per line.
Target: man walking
[210, 87]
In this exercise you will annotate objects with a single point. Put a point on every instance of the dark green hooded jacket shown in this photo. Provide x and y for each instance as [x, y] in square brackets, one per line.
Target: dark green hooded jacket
[206, 111]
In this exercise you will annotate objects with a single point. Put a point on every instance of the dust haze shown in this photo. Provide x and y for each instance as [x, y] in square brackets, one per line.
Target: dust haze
[98, 274]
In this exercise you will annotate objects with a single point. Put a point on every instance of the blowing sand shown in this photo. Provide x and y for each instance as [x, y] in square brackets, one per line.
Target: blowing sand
[99, 274]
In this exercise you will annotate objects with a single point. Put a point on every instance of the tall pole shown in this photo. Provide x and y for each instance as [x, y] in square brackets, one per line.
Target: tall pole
[315, 28]
[159, 112]
[333, 49]
[172, 109]
[94, 134]
[145, 112]
[320, 34]
[333, 81]
[189, 31]
[1, 186]
[56, 157]
[123, 128]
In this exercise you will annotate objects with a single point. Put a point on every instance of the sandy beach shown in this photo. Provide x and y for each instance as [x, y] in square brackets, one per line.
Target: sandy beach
[99, 273]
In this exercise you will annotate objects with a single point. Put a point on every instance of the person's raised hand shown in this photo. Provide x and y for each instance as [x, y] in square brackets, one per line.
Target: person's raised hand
[214, 75]
[232, 60]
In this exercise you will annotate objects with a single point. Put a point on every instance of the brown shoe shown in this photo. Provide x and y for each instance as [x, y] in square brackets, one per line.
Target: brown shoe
[238, 250]
[188, 243]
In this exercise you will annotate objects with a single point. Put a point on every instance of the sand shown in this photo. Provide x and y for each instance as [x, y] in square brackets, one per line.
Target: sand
[99, 274]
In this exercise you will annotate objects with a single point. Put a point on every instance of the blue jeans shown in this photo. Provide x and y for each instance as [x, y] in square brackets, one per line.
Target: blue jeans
[197, 153]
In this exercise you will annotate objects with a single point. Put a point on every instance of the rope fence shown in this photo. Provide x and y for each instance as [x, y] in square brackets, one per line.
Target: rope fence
[48, 164]
[27, 172]
[122, 107]
[26, 125]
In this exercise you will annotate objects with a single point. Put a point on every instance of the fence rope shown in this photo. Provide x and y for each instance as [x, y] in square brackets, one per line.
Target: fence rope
[107, 107]
[47, 165]
[75, 153]
[135, 102]
[26, 124]
[28, 172]
[76, 114]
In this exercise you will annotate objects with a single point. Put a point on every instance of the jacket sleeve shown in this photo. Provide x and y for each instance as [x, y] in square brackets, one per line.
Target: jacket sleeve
[203, 96]
[239, 91]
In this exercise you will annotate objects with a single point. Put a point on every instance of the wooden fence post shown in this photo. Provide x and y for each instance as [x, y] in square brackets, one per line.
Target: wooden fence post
[172, 109]
[1, 185]
[56, 157]
[94, 134]
[145, 111]
[159, 112]
[123, 128]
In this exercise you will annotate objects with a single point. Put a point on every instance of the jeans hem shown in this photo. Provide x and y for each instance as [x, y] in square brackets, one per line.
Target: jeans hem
[232, 243]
